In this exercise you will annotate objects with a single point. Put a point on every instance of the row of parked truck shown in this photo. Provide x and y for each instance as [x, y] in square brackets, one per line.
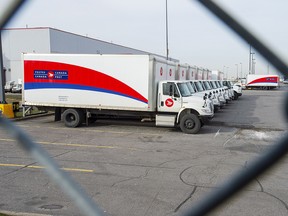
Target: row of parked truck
[13, 87]
[83, 88]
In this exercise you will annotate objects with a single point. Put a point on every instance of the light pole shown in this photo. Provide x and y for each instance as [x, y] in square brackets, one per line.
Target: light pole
[167, 50]
[236, 71]
[240, 70]
[250, 60]
[253, 63]
[227, 68]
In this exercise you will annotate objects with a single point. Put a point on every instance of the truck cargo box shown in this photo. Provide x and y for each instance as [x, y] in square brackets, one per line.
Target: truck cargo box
[126, 82]
[262, 81]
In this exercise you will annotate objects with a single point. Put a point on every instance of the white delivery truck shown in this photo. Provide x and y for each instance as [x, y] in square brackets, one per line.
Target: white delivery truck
[191, 73]
[181, 72]
[266, 82]
[205, 74]
[217, 75]
[209, 75]
[199, 74]
[81, 88]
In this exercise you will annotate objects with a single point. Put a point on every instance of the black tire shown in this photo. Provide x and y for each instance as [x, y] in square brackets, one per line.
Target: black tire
[73, 117]
[190, 124]
[202, 123]
[235, 95]
[216, 108]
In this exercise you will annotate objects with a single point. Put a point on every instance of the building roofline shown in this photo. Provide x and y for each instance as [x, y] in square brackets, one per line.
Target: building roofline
[55, 29]
[26, 28]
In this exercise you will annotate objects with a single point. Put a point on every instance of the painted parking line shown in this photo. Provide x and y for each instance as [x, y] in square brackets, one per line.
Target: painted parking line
[42, 167]
[74, 145]
[22, 213]
[92, 130]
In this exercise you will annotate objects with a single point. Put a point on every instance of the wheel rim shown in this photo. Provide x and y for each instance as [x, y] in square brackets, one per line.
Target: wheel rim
[189, 124]
[70, 118]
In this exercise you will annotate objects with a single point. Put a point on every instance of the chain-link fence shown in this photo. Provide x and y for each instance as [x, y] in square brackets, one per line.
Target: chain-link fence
[211, 201]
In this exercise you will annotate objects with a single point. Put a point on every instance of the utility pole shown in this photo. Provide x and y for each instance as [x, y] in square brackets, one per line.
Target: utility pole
[253, 63]
[227, 70]
[249, 61]
[2, 75]
[236, 71]
[167, 49]
[241, 70]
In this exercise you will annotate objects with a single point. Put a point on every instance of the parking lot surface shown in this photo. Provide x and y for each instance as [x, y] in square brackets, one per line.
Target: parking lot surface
[134, 168]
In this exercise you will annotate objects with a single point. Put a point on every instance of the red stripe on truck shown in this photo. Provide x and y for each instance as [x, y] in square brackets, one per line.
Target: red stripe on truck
[78, 75]
[269, 79]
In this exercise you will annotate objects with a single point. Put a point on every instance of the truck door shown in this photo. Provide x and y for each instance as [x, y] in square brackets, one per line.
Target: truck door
[169, 98]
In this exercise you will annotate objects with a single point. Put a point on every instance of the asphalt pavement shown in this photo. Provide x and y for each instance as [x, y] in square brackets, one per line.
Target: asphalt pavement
[133, 168]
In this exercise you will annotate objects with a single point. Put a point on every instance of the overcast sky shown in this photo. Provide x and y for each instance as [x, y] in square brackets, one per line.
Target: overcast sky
[195, 36]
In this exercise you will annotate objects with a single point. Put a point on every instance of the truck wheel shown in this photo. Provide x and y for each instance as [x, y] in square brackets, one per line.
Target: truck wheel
[73, 117]
[235, 95]
[190, 123]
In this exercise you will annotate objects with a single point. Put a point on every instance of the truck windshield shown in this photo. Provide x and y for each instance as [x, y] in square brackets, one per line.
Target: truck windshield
[207, 86]
[213, 85]
[220, 84]
[190, 87]
[194, 87]
[184, 90]
[216, 83]
[226, 83]
[199, 86]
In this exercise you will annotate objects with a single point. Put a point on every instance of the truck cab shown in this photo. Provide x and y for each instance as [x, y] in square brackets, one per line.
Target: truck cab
[177, 106]
[213, 95]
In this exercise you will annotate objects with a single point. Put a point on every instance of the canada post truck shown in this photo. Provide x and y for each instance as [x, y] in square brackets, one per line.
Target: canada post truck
[83, 87]
[263, 81]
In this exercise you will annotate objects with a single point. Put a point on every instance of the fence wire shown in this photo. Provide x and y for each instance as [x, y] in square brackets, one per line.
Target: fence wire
[212, 200]
[259, 166]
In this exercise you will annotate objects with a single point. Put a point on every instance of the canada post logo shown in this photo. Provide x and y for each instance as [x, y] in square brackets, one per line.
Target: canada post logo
[51, 74]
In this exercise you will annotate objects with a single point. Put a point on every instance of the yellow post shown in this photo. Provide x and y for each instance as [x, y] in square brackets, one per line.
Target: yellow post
[7, 110]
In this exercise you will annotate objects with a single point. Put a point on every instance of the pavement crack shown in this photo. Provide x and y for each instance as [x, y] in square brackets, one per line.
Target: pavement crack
[132, 178]
[124, 180]
[169, 161]
[269, 194]
[18, 169]
[31, 164]
[67, 152]
[260, 185]
[184, 201]
[277, 198]
[152, 203]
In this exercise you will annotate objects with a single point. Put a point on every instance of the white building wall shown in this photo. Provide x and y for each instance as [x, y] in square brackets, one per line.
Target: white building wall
[49, 40]
[65, 42]
[16, 41]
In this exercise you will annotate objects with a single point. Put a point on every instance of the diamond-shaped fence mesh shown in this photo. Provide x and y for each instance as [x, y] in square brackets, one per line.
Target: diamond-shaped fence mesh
[212, 200]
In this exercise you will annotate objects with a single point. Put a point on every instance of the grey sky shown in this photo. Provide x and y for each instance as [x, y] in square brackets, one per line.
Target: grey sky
[195, 36]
